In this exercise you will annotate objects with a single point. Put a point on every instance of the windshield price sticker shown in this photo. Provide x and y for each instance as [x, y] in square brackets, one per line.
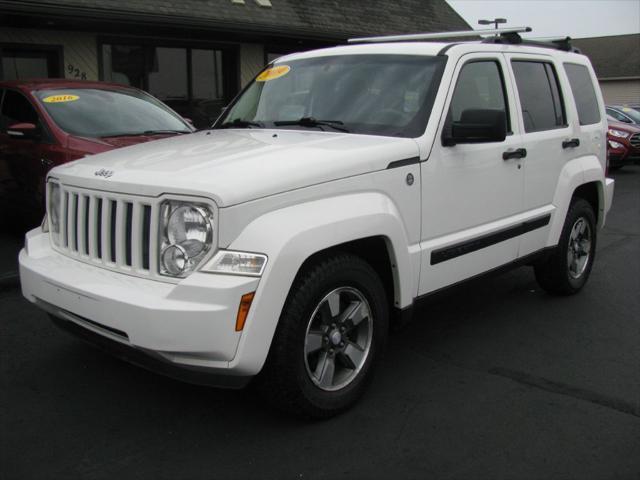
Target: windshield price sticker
[273, 73]
[60, 98]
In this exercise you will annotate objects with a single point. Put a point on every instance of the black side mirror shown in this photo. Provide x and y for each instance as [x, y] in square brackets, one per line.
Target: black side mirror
[476, 126]
[23, 131]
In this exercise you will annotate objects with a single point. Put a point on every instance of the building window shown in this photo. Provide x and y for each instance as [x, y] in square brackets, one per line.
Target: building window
[20, 62]
[196, 82]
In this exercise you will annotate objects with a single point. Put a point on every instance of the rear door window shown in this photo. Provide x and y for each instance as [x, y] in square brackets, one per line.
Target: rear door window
[584, 93]
[540, 96]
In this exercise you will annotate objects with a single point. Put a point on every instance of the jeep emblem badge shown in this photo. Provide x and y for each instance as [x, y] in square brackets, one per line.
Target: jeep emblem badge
[103, 173]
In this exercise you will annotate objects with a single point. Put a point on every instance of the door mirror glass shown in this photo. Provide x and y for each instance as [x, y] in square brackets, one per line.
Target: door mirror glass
[24, 131]
[476, 126]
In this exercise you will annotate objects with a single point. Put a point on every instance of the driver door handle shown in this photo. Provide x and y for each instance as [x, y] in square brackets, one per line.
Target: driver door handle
[514, 153]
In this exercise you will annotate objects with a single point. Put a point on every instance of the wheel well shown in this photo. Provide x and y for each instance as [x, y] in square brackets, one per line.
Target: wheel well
[591, 193]
[375, 251]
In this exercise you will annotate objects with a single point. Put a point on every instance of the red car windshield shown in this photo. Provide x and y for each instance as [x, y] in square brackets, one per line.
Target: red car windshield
[92, 112]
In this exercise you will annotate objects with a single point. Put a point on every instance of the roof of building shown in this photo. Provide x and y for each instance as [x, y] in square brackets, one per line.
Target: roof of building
[328, 19]
[612, 57]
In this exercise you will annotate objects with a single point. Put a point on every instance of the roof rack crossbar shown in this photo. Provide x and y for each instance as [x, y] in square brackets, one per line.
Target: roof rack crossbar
[563, 44]
[435, 36]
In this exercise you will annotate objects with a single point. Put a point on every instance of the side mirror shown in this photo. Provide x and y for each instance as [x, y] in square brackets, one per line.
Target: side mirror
[23, 131]
[476, 126]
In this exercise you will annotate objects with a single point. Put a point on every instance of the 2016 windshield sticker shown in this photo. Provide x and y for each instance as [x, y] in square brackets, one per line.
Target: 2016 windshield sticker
[273, 73]
[60, 98]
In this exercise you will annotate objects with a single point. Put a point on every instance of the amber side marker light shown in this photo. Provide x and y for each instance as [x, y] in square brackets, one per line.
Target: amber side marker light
[243, 310]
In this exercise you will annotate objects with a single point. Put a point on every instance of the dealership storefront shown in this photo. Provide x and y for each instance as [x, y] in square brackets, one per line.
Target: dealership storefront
[195, 55]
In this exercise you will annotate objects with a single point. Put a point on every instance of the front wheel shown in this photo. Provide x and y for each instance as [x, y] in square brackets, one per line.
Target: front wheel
[568, 268]
[331, 332]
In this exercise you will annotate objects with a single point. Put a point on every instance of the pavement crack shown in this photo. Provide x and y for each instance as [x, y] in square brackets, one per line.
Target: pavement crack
[547, 385]
[568, 390]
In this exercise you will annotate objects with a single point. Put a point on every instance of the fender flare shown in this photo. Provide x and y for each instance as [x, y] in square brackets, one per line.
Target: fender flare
[577, 172]
[299, 231]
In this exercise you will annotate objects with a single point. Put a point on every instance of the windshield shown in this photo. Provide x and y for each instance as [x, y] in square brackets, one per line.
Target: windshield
[92, 112]
[632, 113]
[388, 95]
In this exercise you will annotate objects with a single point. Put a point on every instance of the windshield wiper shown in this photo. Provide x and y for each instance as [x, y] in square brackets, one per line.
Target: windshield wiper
[160, 132]
[146, 132]
[312, 122]
[239, 123]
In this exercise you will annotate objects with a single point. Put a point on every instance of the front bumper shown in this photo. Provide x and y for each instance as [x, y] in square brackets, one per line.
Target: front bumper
[189, 326]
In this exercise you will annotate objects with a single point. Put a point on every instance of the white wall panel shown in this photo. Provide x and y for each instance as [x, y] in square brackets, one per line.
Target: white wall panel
[79, 49]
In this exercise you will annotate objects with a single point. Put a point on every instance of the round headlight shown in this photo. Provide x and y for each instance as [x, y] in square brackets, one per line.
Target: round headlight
[174, 259]
[189, 228]
[186, 236]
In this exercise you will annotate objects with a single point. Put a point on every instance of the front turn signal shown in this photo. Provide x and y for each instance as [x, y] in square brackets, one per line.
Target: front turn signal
[243, 310]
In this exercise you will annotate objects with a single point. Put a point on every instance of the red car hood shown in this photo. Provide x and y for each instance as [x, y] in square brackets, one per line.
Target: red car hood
[629, 127]
[127, 140]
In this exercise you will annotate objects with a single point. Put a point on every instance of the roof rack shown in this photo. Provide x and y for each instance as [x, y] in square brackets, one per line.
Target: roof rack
[506, 36]
[435, 36]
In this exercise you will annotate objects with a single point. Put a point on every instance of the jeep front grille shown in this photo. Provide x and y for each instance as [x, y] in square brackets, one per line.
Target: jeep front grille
[111, 230]
[635, 140]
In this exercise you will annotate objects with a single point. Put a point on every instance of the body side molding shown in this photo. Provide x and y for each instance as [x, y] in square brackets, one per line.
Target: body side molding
[456, 250]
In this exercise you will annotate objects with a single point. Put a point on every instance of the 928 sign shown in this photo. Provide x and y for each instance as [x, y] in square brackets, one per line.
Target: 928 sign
[74, 72]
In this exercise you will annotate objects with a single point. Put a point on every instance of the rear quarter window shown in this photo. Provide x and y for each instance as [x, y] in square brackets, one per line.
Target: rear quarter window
[584, 93]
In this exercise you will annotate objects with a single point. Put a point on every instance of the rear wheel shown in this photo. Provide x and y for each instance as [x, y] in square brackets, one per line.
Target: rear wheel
[568, 268]
[331, 332]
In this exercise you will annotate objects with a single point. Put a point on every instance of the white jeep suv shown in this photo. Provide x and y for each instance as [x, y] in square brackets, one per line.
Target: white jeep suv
[340, 187]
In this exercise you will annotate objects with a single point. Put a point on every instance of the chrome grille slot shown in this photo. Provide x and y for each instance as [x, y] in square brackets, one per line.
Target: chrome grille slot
[635, 140]
[98, 218]
[112, 230]
[146, 237]
[73, 222]
[128, 233]
[113, 210]
[65, 216]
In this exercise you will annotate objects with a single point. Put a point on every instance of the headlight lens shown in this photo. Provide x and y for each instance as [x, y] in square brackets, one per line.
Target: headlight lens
[186, 237]
[615, 145]
[53, 208]
[237, 263]
[618, 133]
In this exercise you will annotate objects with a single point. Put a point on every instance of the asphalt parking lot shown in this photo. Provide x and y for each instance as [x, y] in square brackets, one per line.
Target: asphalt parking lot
[494, 380]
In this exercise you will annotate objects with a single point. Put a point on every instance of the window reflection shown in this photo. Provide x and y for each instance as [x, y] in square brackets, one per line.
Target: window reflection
[189, 80]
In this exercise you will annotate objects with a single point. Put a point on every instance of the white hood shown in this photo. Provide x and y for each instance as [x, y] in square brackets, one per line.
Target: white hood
[235, 166]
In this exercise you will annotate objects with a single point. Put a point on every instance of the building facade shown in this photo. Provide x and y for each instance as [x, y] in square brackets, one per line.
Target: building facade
[616, 60]
[195, 55]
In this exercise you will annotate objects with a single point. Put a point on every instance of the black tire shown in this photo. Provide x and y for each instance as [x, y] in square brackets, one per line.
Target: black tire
[553, 274]
[285, 380]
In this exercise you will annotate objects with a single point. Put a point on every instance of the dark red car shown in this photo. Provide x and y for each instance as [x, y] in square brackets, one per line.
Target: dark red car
[623, 144]
[44, 123]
